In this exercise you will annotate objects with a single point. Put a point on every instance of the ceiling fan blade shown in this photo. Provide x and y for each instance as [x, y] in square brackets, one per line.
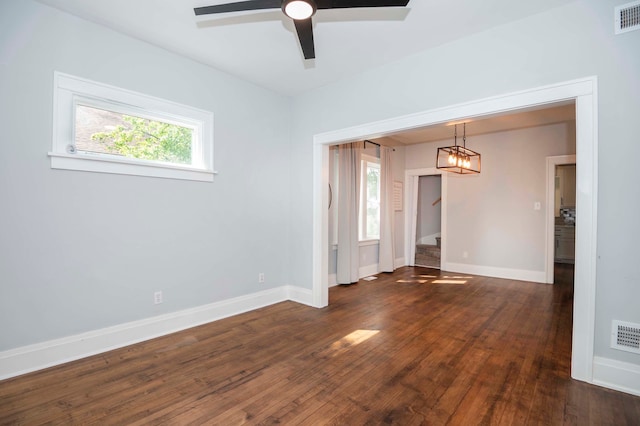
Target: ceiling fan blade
[238, 6]
[304, 28]
[343, 4]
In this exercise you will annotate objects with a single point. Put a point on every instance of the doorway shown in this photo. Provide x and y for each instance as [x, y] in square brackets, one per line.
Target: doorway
[584, 92]
[428, 234]
[561, 202]
[565, 214]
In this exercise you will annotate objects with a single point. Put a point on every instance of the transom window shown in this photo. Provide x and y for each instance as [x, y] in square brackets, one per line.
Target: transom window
[106, 129]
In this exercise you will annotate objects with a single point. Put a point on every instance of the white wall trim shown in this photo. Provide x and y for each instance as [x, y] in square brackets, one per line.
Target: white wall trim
[300, 295]
[584, 296]
[18, 361]
[367, 270]
[584, 93]
[320, 263]
[496, 272]
[618, 375]
[478, 108]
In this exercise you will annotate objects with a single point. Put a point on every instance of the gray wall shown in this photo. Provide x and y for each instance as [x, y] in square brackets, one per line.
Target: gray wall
[569, 42]
[491, 216]
[81, 251]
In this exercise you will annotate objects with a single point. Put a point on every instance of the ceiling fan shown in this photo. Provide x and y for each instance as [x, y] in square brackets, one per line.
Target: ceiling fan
[300, 11]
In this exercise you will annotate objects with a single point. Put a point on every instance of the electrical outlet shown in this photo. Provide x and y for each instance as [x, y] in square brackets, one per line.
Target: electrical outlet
[465, 255]
[261, 277]
[157, 297]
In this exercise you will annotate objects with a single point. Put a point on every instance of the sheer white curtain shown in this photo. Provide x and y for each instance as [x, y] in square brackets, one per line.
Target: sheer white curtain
[348, 261]
[387, 251]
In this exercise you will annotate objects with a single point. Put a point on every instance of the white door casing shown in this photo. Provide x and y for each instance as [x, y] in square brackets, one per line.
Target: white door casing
[411, 180]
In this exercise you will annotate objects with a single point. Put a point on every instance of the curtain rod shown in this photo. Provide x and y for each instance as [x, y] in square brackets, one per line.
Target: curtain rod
[367, 140]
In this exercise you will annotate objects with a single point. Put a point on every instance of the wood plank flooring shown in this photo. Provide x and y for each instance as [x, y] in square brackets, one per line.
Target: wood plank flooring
[418, 346]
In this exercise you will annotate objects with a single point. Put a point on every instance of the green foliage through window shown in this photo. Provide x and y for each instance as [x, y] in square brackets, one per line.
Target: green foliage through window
[148, 140]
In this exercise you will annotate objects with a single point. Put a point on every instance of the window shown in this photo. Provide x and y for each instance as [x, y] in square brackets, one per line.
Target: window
[102, 128]
[370, 199]
[334, 187]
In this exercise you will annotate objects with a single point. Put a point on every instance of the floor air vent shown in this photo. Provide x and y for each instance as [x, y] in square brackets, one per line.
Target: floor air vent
[627, 17]
[625, 336]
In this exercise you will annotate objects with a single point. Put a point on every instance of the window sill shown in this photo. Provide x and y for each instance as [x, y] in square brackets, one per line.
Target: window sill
[364, 243]
[101, 164]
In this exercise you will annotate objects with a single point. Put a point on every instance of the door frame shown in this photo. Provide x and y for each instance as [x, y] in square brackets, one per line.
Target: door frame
[584, 93]
[412, 180]
[552, 162]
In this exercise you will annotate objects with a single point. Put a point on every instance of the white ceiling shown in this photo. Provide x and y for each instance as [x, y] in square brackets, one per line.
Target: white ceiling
[558, 113]
[262, 46]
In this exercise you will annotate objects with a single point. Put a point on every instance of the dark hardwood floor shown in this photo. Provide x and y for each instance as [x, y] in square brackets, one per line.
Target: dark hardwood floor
[418, 346]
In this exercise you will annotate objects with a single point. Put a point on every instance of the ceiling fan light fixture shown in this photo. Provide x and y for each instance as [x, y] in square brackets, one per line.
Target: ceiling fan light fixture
[299, 9]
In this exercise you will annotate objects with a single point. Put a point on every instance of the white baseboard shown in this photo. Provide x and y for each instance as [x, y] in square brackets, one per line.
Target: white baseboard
[333, 280]
[365, 271]
[300, 295]
[26, 359]
[616, 375]
[490, 271]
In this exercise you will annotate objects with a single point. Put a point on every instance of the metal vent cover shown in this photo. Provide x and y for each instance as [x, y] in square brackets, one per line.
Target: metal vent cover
[627, 17]
[625, 336]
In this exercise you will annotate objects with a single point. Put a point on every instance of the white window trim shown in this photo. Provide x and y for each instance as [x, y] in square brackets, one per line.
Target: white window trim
[70, 90]
[363, 243]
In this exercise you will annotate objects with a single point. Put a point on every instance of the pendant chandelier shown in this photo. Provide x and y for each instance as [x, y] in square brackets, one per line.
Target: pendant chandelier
[458, 158]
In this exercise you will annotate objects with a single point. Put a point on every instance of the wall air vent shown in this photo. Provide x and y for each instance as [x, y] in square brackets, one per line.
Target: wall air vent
[627, 17]
[625, 336]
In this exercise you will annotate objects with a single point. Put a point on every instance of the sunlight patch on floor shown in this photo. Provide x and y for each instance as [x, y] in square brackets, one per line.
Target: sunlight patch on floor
[434, 279]
[350, 340]
[449, 282]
